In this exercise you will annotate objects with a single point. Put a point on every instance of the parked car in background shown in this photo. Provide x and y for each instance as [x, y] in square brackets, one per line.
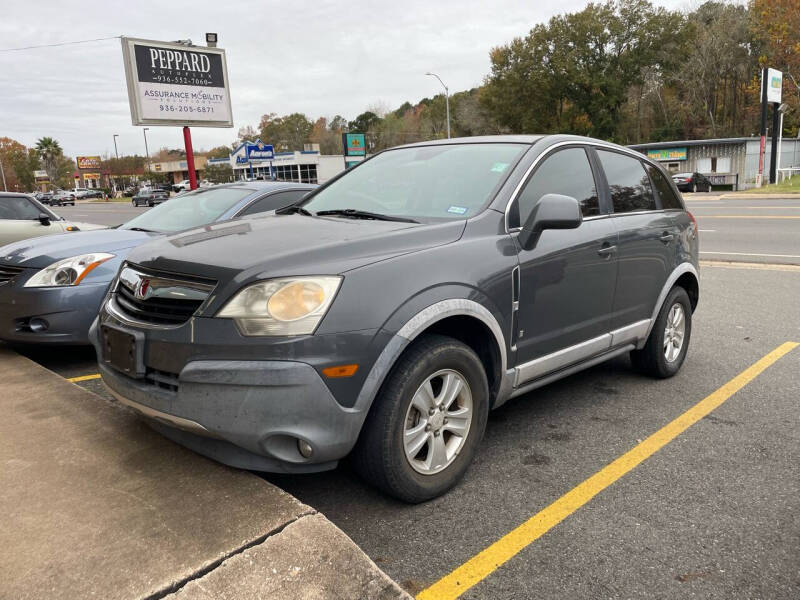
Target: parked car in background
[51, 290]
[23, 217]
[93, 193]
[149, 197]
[390, 310]
[62, 197]
[692, 182]
[80, 193]
[182, 186]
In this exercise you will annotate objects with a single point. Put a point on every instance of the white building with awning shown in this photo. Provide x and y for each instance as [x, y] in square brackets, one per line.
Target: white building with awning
[305, 166]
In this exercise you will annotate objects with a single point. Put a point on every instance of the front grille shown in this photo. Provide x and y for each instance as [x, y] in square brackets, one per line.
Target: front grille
[7, 273]
[158, 298]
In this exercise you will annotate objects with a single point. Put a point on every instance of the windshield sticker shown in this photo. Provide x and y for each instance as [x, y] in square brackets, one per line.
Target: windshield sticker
[499, 167]
[457, 210]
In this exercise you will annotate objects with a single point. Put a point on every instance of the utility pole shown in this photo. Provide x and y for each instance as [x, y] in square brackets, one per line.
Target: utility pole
[446, 100]
[3, 173]
[147, 152]
[116, 135]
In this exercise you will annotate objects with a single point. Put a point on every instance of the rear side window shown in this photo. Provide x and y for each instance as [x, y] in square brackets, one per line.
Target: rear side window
[628, 182]
[664, 190]
[566, 172]
[273, 202]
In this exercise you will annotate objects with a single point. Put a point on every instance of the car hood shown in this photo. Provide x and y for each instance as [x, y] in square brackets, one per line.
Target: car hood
[289, 245]
[40, 252]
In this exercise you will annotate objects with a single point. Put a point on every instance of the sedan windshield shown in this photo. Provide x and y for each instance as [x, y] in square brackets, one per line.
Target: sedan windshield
[426, 182]
[189, 210]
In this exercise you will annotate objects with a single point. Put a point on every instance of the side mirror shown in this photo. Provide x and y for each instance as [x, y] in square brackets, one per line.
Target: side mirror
[44, 219]
[553, 211]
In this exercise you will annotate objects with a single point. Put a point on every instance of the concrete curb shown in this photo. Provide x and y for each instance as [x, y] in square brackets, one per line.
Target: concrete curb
[95, 503]
[746, 196]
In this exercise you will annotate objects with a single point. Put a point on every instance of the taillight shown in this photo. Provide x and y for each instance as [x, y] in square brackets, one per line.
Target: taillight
[694, 221]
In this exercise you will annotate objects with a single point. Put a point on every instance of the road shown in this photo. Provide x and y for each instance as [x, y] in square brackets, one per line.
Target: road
[752, 230]
[101, 213]
[712, 514]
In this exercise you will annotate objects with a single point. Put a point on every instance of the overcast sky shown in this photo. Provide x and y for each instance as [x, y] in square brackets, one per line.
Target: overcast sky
[320, 58]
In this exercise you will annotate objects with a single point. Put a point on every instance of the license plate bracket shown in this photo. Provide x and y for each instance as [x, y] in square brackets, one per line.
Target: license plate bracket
[123, 350]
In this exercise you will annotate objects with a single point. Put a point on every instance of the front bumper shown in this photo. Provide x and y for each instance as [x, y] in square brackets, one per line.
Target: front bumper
[66, 312]
[243, 402]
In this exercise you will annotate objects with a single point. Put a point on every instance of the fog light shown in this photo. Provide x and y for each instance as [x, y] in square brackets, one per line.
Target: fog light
[36, 325]
[305, 448]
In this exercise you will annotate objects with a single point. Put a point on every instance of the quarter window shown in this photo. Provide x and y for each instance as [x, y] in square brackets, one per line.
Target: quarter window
[664, 190]
[273, 202]
[566, 172]
[628, 182]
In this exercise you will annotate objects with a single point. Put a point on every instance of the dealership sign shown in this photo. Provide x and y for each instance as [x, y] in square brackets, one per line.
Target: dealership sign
[177, 85]
[664, 154]
[354, 144]
[88, 162]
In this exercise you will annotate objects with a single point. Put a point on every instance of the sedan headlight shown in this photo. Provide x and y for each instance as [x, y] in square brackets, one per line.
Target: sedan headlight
[70, 271]
[286, 306]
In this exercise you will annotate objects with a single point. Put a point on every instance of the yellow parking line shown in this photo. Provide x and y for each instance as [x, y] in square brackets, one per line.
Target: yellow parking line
[84, 378]
[490, 559]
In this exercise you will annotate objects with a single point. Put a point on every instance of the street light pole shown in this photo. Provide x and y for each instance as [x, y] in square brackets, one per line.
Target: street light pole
[147, 152]
[3, 173]
[116, 153]
[446, 99]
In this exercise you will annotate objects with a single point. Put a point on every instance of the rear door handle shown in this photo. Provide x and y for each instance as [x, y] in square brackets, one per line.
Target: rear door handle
[666, 237]
[606, 249]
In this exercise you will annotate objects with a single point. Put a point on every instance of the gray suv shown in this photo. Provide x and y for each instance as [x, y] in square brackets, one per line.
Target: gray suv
[385, 314]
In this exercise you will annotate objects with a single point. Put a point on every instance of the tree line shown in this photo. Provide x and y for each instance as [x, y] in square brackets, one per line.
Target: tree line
[622, 70]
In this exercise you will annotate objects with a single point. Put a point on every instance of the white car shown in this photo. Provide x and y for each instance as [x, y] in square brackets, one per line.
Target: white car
[80, 192]
[22, 217]
[182, 186]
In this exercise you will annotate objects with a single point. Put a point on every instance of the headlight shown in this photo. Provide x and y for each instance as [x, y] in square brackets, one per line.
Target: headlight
[286, 306]
[69, 271]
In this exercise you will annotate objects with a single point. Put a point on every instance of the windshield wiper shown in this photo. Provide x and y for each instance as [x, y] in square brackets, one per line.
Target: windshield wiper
[292, 209]
[354, 213]
[143, 229]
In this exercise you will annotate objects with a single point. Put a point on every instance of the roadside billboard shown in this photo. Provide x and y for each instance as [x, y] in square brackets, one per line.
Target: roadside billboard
[41, 176]
[176, 85]
[665, 154]
[88, 162]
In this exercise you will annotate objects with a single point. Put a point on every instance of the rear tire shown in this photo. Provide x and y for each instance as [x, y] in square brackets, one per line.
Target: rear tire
[665, 350]
[408, 445]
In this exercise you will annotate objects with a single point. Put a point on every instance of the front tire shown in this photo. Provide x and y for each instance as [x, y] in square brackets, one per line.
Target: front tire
[665, 350]
[426, 422]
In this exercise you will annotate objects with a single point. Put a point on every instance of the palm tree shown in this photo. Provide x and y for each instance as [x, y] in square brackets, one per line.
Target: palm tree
[49, 151]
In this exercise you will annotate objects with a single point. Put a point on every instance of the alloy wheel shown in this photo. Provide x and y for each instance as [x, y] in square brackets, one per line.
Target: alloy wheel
[437, 422]
[674, 332]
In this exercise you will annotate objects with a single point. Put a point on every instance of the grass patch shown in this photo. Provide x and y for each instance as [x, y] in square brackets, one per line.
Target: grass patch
[788, 186]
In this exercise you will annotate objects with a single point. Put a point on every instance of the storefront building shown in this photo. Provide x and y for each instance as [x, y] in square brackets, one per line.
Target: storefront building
[727, 162]
[305, 166]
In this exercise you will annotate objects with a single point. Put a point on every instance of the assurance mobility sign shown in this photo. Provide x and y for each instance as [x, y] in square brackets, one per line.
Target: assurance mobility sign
[176, 85]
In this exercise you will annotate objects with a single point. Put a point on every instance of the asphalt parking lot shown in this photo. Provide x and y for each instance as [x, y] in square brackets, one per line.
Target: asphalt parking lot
[712, 514]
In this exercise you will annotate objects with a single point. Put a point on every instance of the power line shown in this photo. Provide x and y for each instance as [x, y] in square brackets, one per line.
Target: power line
[113, 37]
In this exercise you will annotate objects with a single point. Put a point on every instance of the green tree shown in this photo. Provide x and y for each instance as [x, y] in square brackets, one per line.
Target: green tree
[50, 153]
[219, 173]
[25, 164]
[287, 133]
[364, 122]
[219, 152]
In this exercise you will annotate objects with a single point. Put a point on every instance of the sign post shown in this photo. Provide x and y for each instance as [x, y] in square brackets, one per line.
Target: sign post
[774, 93]
[177, 85]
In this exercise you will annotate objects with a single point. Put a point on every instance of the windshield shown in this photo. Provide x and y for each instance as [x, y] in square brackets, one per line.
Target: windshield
[192, 209]
[429, 182]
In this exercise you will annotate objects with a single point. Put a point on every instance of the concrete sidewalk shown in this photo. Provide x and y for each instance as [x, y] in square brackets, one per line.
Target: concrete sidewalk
[95, 504]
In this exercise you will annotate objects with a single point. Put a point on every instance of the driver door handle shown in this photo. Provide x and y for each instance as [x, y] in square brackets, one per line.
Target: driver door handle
[607, 249]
